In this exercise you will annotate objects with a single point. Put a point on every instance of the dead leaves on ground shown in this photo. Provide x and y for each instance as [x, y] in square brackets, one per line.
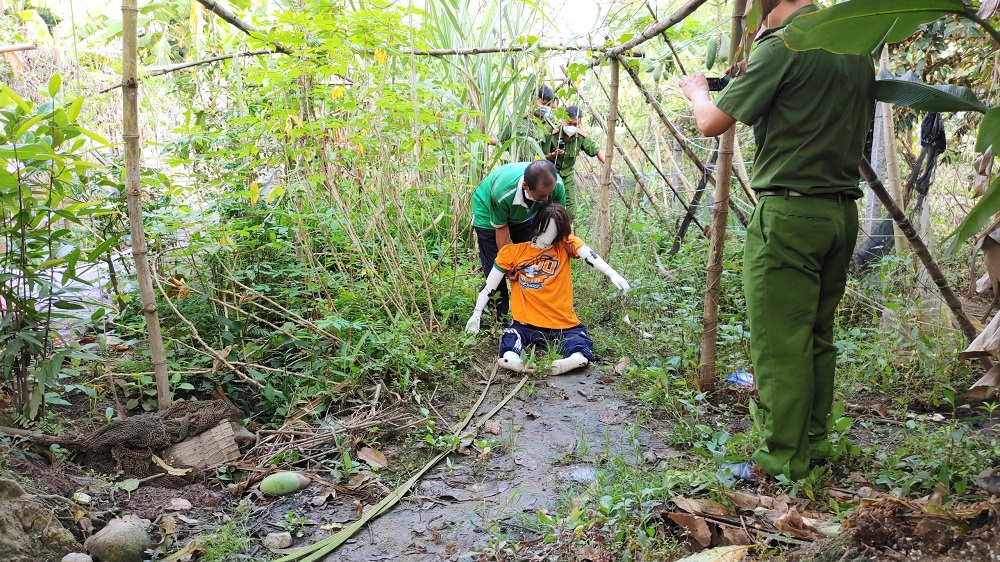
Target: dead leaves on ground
[709, 523]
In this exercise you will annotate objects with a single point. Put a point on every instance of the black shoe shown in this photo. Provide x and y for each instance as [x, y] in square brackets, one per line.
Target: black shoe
[746, 471]
[816, 463]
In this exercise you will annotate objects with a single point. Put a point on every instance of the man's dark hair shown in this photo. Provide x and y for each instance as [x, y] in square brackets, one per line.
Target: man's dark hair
[546, 93]
[573, 112]
[558, 213]
[537, 172]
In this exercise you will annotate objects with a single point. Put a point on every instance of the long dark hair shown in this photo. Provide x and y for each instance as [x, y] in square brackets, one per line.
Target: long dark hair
[558, 213]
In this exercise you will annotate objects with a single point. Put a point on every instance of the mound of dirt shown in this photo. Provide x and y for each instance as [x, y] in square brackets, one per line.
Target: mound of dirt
[29, 531]
[893, 529]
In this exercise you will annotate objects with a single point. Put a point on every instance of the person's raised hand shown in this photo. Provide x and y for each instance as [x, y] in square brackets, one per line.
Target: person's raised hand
[693, 85]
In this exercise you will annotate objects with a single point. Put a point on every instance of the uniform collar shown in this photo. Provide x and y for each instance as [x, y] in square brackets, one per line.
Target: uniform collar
[519, 195]
[801, 11]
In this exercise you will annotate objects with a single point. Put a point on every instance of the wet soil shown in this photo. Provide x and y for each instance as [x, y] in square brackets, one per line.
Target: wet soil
[546, 446]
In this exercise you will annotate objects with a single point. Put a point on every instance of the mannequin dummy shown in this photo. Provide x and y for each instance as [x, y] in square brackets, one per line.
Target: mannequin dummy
[542, 297]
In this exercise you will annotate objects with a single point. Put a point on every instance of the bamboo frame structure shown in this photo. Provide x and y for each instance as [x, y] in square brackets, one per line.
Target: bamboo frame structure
[133, 195]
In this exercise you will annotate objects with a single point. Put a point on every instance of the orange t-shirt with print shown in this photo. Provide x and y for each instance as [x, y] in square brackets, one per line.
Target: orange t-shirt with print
[543, 293]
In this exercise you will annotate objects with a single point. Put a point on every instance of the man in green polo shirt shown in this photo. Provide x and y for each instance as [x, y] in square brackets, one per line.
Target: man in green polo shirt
[811, 111]
[502, 208]
[563, 145]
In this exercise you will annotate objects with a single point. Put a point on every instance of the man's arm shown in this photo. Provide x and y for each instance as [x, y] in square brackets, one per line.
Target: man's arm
[711, 120]
[503, 236]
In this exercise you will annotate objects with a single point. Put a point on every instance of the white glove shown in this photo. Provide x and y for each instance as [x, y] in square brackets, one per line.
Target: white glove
[472, 326]
[619, 282]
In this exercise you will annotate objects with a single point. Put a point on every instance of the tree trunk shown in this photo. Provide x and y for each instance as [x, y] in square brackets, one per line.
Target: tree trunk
[133, 191]
[919, 248]
[720, 218]
[604, 211]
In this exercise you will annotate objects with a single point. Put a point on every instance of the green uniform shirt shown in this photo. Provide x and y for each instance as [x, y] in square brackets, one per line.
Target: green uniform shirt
[528, 132]
[499, 199]
[574, 145]
[810, 110]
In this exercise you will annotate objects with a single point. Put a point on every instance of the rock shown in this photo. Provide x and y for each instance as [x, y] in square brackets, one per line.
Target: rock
[274, 541]
[29, 531]
[77, 557]
[119, 541]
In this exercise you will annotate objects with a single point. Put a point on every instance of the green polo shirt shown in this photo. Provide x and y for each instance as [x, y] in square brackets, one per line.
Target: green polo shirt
[574, 145]
[810, 111]
[499, 199]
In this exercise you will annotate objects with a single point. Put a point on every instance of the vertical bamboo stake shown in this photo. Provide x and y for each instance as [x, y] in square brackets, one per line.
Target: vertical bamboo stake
[604, 211]
[133, 154]
[892, 160]
[720, 217]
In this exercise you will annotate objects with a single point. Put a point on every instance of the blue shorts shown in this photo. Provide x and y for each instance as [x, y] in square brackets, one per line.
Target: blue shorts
[572, 340]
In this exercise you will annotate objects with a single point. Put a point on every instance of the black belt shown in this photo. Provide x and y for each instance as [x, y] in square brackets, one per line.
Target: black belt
[840, 196]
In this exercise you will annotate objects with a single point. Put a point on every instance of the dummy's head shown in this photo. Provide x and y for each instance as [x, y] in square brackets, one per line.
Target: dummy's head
[552, 224]
[540, 180]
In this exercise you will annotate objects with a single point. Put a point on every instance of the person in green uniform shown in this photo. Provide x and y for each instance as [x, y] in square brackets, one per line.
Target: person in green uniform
[503, 207]
[529, 131]
[561, 147]
[811, 111]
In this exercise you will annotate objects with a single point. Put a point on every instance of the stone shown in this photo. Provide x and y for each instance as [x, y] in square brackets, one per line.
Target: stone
[119, 541]
[77, 557]
[274, 541]
[29, 531]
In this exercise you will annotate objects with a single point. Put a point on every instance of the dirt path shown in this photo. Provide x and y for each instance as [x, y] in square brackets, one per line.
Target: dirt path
[547, 443]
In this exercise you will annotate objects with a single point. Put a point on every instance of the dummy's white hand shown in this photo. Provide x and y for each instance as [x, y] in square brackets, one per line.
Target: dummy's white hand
[472, 326]
[620, 283]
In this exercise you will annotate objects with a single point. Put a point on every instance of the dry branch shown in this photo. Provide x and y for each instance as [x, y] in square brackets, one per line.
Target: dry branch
[504, 49]
[231, 18]
[604, 211]
[666, 39]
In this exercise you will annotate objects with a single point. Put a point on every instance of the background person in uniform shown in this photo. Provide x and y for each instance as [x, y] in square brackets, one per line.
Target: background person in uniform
[811, 111]
[530, 130]
[542, 298]
[502, 208]
[563, 144]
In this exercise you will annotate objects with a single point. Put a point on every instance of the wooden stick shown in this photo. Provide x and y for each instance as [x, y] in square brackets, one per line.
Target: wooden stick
[133, 196]
[666, 39]
[720, 218]
[17, 47]
[657, 28]
[919, 248]
[504, 49]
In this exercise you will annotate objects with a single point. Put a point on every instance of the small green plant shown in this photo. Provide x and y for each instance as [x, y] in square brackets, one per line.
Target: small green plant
[294, 523]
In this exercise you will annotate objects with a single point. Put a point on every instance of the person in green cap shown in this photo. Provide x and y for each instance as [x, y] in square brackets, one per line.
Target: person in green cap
[563, 145]
[503, 207]
[811, 111]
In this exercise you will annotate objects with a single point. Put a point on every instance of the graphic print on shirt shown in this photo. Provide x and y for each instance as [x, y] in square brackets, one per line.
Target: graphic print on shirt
[533, 274]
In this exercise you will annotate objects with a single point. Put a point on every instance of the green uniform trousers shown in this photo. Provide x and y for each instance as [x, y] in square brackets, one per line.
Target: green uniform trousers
[794, 274]
[570, 184]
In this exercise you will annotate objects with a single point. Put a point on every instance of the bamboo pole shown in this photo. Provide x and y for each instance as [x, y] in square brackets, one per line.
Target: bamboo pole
[892, 160]
[666, 39]
[504, 49]
[604, 210]
[133, 192]
[720, 218]
[17, 47]
[157, 71]
[657, 28]
[919, 248]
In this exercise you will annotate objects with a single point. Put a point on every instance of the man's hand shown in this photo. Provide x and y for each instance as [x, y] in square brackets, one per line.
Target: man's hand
[694, 86]
[619, 282]
[551, 157]
[472, 326]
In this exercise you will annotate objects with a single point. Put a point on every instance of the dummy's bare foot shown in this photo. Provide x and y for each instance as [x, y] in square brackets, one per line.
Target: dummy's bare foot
[511, 361]
[574, 361]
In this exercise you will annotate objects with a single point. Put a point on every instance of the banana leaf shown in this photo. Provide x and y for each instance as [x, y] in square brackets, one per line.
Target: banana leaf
[859, 27]
[989, 131]
[909, 91]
